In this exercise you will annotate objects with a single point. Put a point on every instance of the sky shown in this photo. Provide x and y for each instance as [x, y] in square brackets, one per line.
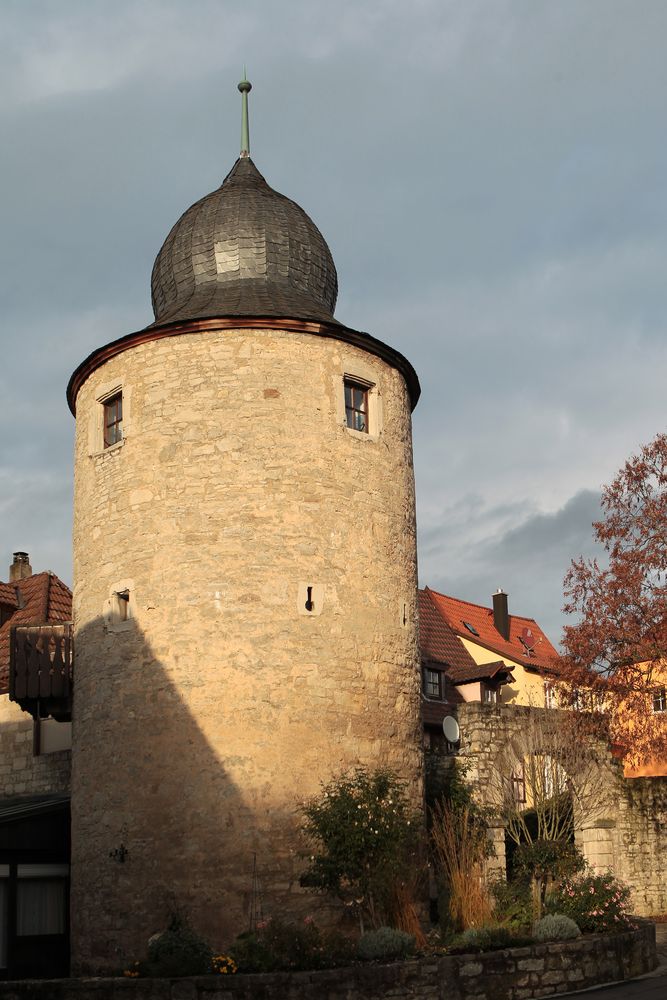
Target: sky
[490, 175]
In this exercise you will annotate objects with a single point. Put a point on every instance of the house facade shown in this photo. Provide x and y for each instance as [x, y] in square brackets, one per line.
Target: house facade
[495, 674]
[34, 793]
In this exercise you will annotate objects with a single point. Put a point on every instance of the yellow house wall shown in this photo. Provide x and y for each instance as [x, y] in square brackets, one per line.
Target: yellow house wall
[527, 688]
[656, 767]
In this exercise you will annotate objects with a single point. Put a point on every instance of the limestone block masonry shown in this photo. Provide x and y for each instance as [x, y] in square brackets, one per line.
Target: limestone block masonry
[21, 773]
[513, 974]
[200, 725]
[626, 831]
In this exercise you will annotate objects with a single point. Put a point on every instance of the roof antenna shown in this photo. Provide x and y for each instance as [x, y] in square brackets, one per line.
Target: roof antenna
[245, 87]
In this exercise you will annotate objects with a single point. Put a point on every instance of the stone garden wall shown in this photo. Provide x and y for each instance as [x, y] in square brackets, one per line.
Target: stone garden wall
[514, 974]
[627, 831]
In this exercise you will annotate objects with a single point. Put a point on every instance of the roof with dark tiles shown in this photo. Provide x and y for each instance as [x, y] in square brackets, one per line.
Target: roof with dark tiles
[244, 250]
[481, 672]
[41, 599]
[437, 640]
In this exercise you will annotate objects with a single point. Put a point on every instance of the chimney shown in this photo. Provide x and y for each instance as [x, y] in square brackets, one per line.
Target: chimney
[501, 618]
[20, 568]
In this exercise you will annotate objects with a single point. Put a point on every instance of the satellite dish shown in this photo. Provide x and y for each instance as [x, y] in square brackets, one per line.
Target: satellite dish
[528, 639]
[450, 728]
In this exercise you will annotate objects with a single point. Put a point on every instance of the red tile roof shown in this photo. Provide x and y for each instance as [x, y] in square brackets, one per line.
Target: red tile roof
[436, 639]
[455, 613]
[40, 599]
[8, 595]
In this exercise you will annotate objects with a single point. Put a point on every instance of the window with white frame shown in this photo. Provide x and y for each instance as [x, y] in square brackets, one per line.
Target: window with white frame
[356, 405]
[489, 694]
[113, 419]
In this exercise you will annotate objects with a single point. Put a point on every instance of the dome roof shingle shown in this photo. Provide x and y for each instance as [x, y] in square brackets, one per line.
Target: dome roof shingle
[244, 250]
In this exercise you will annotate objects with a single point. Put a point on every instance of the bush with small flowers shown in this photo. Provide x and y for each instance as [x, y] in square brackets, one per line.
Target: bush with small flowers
[595, 901]
[365, 839]
[223, 965]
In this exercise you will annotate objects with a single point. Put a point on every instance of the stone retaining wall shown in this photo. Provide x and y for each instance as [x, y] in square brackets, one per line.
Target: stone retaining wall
[625, 829]
[513, 974]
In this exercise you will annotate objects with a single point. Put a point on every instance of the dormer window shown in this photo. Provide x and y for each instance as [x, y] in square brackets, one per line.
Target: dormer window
[433, 683]
[489, 694]
[660, 700]
[113, 419]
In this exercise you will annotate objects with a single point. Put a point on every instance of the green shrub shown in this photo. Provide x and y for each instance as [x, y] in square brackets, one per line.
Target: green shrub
[548, 860]
[178, 951]
[487, 939]
[543, 862]
[556, 927]
[513, 903]
[385, 943]
[365, 839]
[596, 902]
[253, 954]
[289, 946]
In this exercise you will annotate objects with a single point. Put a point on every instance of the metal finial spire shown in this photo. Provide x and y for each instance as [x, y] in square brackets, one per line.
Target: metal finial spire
[245, 87]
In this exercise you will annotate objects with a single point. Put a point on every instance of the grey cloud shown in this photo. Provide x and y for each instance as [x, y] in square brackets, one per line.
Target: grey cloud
[491, 178]
[528, 560]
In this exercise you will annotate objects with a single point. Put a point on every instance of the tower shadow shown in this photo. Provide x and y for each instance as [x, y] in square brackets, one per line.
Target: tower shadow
[158, 824]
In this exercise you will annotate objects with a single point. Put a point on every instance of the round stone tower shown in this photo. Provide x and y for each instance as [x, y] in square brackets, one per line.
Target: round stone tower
[244, 576]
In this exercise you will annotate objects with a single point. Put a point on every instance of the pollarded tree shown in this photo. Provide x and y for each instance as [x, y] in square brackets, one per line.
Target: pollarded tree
[366, 842]
[617, 652]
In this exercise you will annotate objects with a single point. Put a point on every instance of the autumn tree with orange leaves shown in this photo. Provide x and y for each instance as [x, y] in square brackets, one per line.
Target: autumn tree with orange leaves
[616, 655]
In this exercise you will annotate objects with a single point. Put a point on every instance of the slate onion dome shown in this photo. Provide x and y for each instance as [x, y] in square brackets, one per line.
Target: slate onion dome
[244, 256]
[244, 250]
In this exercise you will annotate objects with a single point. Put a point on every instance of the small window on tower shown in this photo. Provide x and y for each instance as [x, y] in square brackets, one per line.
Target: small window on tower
[123, 613]
[113, 420]
[356, 405]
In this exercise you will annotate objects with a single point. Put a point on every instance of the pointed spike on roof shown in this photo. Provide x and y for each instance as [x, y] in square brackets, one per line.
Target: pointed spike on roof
[245, 87]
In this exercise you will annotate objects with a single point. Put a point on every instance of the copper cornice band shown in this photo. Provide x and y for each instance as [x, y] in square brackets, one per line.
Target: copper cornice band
[332, 330]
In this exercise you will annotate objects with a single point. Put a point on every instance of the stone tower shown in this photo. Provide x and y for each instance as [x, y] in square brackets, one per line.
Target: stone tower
[245, 575]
